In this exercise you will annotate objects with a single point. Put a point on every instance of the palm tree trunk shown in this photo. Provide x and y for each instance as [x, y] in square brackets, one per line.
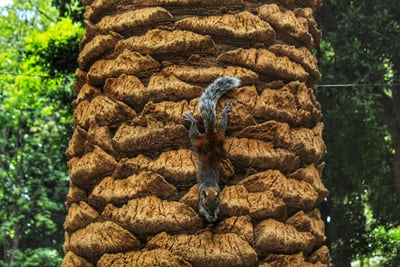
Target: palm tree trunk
[133, 198]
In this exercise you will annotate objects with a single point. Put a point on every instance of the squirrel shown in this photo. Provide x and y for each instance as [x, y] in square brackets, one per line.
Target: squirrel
[209, 146]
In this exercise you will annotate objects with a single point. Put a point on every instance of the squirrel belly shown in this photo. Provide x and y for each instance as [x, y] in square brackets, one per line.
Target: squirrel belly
[209, 146]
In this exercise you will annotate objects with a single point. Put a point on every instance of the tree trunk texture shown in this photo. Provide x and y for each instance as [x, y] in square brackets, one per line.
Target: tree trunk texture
[133, 197]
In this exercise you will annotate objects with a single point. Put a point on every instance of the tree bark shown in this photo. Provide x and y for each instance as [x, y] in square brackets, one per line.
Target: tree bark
[133, 195]
[395, 132]
[15, 245]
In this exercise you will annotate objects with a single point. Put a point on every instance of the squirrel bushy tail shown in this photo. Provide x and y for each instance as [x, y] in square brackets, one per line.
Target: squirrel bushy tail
[209, 99]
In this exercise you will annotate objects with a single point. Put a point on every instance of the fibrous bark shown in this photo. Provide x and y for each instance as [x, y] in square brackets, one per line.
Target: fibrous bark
[243, 26]
[205, 75]
[291, 26]
[143, 258]
[98, 238]
[297, 259]
[79, 216]
[130, 89]
[151, 215]
[130, 139]
[127, 22]
[299, 55]
[240, 225]
[71, 259]
[97, 47]
[310, 222]
[296, 194]
[159, 42]
[119, 191]
[265, 62]
[237, 200]
[260, 155]
[127, 62]
[274, 236]
[207, 249]
[90, 169]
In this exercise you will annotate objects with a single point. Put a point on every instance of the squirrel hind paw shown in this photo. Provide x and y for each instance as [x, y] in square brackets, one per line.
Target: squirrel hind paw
[228, 107]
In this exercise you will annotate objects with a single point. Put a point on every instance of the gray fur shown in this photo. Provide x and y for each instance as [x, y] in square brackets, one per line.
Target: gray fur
[193, 131]
[209, 99]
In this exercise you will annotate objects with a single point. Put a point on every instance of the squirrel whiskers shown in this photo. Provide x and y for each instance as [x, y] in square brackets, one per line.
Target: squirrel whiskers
[209, 146]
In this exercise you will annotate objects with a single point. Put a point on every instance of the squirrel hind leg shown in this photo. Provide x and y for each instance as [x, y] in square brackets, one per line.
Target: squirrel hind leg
[194, 130]
[188, 116]
[223, 123]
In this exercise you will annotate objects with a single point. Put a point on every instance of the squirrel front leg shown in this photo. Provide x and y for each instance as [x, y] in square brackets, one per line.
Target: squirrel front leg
[194, 130]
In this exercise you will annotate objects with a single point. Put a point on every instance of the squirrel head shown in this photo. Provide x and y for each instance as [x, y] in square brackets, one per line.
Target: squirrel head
[209, 203]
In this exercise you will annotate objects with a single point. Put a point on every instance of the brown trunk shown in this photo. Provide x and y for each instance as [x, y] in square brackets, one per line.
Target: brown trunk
[133, 195]
[396, 164]
[395, 132]
[15, 245]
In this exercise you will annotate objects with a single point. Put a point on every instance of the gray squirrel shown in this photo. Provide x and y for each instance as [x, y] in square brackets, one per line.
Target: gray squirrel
[209, 146]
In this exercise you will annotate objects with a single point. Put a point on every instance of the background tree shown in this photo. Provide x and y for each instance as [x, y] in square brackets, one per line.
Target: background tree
[133, 197]
[360, 55]
[38, 51]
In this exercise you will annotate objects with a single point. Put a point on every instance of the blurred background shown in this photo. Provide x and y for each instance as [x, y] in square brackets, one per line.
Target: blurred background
[359, 59]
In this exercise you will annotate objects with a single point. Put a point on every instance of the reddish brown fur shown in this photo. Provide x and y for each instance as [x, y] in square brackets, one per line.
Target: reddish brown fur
[210, 148]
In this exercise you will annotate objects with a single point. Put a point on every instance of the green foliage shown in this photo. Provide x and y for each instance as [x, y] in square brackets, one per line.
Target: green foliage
[355, 148]
[360, 47]
[387, 244]
[55, 47]
[38, 258]
[38, 55]
[70, 9]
